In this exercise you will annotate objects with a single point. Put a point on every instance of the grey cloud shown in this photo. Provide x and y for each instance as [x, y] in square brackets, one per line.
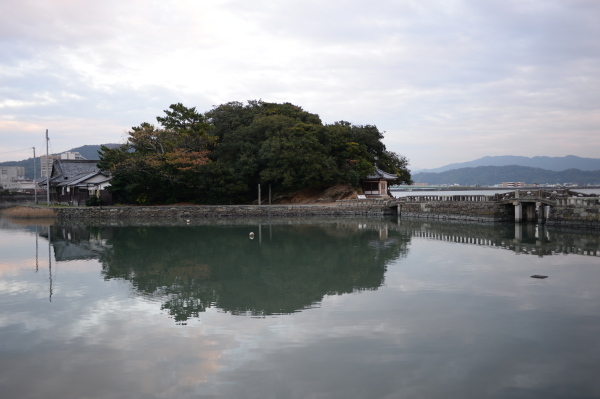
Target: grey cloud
[437, 69]
[59, 22]
[476, 35]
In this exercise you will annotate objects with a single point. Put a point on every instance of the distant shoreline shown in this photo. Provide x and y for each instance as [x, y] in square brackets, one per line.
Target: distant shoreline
[463, 188]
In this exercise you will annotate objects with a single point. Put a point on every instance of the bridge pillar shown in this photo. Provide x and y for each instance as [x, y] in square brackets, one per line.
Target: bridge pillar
[518, 211]
[542, 216]
[518, 234]
[530, 212]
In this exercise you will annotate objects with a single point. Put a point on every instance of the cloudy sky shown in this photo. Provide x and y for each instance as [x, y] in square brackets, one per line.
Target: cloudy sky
[447, 80]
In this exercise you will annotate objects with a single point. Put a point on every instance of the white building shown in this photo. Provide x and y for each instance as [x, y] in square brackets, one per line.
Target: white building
[47, 161]
[19, 185]
[513, 184]
[10, 174]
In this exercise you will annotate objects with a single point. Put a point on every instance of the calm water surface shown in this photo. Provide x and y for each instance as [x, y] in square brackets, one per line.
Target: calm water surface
[307, 309]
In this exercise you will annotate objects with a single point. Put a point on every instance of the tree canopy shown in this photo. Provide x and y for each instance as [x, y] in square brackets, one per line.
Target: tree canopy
[220, 156]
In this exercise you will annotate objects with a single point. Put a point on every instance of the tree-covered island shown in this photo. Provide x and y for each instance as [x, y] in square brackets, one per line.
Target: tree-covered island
[220, 157]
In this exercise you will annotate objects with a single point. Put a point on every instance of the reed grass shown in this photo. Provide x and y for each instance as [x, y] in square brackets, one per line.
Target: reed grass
[26, 212]
[32, 222]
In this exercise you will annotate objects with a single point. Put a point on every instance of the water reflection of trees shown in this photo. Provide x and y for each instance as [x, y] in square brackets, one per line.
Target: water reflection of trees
[287, 267]
[291, 268]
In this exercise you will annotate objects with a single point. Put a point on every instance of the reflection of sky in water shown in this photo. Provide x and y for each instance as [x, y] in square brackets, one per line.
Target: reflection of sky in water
[450, 320]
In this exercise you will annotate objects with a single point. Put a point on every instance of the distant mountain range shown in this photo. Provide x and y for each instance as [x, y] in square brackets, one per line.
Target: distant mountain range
[86, 151]
[550, 163]
[491, 175]
[488, 171]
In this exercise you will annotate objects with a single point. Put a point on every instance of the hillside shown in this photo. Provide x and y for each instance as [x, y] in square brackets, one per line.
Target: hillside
[91, 151]
[549, 163]
[87, 151]
[490, 175]
[316, 195]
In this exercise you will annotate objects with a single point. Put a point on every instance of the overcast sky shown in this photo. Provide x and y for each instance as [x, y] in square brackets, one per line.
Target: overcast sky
[448, 81]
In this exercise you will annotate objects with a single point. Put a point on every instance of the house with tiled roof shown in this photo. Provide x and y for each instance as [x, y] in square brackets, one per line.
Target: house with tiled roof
[376, 184]
[72, 182]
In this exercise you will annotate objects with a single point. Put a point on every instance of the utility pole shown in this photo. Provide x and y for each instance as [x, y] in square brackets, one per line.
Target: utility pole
[50, 260]
[34, 178]
[47, 172]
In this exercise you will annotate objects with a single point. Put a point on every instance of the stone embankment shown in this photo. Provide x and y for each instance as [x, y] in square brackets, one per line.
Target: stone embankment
[482, 212]
[217, 211]
[582, 213]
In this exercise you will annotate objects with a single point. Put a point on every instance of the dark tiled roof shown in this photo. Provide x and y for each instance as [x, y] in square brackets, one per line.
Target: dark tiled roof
[66, 171]
[381, 175]
[81, 178]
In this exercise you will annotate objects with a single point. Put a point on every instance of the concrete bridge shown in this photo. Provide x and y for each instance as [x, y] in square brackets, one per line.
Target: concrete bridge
[519, 205]
[531, 206]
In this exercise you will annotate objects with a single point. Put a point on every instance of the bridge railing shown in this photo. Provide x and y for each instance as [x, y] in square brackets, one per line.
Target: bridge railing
[447, 198]
[565, 196]
[585, 201]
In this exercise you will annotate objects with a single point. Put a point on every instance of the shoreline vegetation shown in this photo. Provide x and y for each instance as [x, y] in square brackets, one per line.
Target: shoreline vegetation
[26, 212]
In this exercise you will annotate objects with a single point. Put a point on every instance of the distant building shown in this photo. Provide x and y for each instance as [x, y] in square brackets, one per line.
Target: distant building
[513, 184]
[46, 164]
[11, 174]
[19, 185]
[420, 184]
[47, 161]
[71, 155]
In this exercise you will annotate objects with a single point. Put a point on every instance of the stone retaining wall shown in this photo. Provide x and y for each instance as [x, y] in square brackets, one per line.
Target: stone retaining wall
[568, 215]
[576, 215]
[216, 211]
[483, 212]
[586, 216]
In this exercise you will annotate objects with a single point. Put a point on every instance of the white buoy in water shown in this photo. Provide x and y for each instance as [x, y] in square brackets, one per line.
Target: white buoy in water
[251, 235]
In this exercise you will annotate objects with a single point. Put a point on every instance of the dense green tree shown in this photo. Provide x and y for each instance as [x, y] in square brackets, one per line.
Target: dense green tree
[160, 165]
[190, 127]
[294, 158]
[398, 164]
[249, 138]
[221, 156]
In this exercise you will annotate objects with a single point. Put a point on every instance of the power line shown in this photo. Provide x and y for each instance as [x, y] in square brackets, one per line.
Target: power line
[22, 149]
